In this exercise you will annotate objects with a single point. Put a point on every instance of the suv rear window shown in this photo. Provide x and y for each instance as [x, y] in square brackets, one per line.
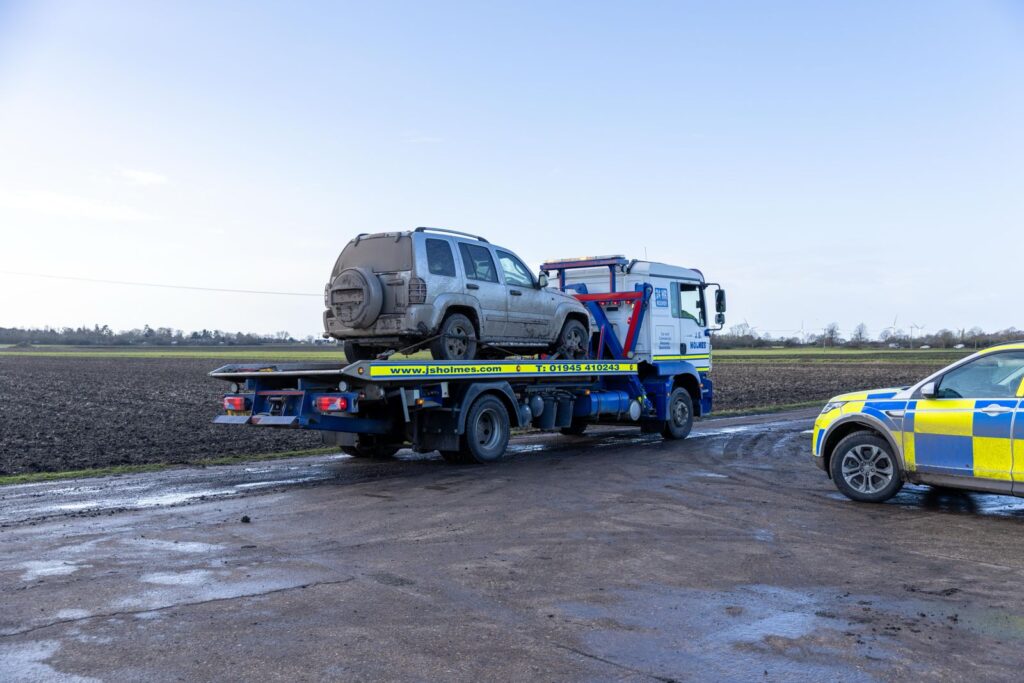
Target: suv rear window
[382, 254]
[439, 258]
[478, 262]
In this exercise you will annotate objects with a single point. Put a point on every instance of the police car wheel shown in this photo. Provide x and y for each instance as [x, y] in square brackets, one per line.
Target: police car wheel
[680, 415]
[487, 430]
[864, 468]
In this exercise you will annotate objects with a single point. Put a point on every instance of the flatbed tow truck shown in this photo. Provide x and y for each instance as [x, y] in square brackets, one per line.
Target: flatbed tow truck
[650, 358]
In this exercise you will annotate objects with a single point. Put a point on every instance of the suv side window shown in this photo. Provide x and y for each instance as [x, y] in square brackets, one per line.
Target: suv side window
[439, 258]
[478, 262]
[993, 376]
[516, 274]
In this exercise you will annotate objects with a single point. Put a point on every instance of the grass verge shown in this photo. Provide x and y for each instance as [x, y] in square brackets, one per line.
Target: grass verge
[767, 410]
[35, 477]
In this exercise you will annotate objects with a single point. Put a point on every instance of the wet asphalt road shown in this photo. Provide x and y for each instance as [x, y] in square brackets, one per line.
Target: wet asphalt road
[609, 557]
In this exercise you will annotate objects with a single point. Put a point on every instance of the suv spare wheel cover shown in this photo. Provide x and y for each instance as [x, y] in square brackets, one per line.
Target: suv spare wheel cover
[356, 297]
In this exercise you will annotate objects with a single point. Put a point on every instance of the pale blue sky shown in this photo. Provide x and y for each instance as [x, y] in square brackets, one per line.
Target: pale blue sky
[824, 161]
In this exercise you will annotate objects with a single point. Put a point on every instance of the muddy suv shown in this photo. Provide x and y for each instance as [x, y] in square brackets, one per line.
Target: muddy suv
[458, 294]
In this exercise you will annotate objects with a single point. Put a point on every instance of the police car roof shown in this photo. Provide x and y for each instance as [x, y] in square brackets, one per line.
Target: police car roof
[1006, 346]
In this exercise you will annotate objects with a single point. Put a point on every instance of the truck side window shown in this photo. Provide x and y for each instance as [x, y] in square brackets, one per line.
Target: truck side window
[478, 262]
[439, 258]
[687, 302]
[516, 274]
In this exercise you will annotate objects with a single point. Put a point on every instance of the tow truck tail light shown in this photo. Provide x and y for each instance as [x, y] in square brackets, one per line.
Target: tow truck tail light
[234, 403]
[331, 404]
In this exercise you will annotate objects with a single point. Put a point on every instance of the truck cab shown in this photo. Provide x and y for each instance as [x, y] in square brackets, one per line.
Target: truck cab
[682, 311]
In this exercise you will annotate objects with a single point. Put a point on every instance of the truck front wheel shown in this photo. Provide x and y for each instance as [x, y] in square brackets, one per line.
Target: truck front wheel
[487, 430]
[680, 415]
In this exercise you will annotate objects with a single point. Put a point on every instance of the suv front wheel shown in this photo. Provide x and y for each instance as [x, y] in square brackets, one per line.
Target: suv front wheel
[456, 340]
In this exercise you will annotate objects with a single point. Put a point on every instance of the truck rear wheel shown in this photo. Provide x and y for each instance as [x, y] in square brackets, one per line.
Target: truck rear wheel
[680, 415]
[487, 430]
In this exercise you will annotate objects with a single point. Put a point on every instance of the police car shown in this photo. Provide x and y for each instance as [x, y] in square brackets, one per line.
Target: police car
[961, 427]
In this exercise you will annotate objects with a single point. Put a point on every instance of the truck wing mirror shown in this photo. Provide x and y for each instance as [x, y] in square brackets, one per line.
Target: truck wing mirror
[542, 280]
[929, 391]
[720, 319]
[720, 302]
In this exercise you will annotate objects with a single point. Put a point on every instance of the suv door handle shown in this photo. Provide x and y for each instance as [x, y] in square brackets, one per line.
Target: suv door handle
[996, 409]
[515, 292]
[470, 285]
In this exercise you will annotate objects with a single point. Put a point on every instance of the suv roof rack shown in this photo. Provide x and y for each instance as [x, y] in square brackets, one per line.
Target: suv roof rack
[451, 232]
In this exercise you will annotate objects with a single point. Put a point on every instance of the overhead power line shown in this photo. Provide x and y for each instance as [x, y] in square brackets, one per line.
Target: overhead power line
[153, 284]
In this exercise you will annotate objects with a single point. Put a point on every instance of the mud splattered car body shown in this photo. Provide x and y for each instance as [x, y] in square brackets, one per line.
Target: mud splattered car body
[962, 427]
[464, 294]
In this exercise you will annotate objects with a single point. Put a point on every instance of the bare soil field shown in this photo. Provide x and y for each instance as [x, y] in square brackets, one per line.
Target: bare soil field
[77, 412]
[74, 413]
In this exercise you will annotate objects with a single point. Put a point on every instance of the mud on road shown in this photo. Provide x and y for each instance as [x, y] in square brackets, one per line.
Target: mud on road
[65, 413]
[611, 557]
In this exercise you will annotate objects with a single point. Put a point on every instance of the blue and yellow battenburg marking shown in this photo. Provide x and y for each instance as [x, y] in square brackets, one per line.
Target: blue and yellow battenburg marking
[958, 437]
[951, 436]
[519, 369]
[701, 361]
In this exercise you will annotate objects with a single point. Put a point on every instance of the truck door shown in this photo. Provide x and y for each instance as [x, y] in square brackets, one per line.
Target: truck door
[689, 310]
[530, 309]
[482, 283]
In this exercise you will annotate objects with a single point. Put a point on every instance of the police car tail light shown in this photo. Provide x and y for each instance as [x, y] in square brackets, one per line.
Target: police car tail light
[331, 404]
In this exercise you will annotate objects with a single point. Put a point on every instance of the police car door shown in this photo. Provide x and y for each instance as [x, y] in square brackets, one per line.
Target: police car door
[967, 429]
[689, 310]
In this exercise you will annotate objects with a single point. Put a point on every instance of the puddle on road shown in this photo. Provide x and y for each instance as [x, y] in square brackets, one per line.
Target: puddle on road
[37, 569]
[276, 482]
[27, 661]
[192, 577]
[744, 634]
[951, 500]
[157, 544]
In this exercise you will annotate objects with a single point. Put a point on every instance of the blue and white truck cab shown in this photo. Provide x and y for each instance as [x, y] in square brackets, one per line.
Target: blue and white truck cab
[678, 323]
[647, 364]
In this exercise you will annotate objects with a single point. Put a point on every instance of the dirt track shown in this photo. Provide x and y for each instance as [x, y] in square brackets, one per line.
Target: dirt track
[727, 557]
[72, 413]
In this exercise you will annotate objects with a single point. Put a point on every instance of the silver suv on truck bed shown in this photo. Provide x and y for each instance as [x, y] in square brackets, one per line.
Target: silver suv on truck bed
[462, 295]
